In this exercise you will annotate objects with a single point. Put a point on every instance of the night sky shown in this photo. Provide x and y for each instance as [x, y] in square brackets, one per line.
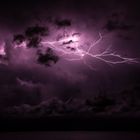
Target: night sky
[33, 73]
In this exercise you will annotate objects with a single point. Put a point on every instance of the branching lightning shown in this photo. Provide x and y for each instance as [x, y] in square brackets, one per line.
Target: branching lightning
[69, 47]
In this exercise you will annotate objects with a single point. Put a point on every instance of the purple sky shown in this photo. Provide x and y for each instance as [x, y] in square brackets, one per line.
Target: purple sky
[119, 23]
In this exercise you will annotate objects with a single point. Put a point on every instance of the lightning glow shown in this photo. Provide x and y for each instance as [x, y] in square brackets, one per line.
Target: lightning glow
[70, 47]
[2, 49]
[21, 45]
[3, 54]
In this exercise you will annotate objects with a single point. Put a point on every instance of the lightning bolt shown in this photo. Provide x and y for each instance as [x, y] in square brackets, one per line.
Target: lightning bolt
[69, 47]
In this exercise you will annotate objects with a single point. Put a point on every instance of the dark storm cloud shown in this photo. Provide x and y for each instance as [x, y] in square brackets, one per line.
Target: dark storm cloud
[33, 35]
[19, 39]
[63, 23]
[47, 58]
[124, 103]
[36, 31]
[116, 23]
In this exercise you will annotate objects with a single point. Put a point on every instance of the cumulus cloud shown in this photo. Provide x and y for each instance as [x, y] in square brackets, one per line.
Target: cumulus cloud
[124, 104]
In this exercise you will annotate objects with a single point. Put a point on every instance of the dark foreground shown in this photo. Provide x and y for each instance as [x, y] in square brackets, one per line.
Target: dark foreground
[80, 135]
[71, 124]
